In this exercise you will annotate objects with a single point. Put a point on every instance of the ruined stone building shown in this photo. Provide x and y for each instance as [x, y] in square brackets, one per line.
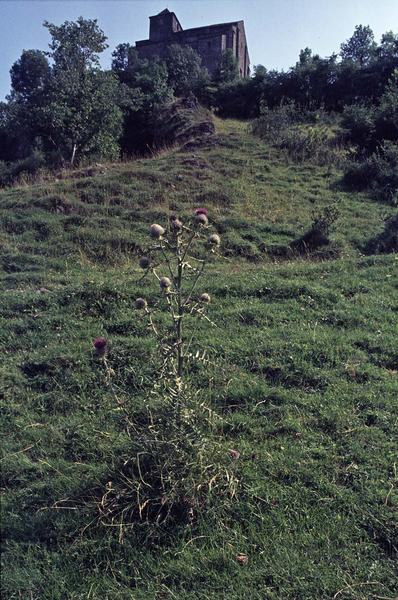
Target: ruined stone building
[209, 41]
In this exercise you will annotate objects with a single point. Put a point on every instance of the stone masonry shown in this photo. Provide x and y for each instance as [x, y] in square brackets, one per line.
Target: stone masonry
[209, 41]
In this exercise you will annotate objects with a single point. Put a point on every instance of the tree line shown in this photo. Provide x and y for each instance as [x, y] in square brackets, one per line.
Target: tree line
[63, 108]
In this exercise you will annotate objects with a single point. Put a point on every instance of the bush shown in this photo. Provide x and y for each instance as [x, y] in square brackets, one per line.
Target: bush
[11, 172]
[318, 234]
[303, 135]
[273, 123]
[359, 121]
[377, 172]
[312, 143]
[387, 240]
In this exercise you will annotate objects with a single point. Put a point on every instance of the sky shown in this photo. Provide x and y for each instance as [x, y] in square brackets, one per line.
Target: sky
[276, 30]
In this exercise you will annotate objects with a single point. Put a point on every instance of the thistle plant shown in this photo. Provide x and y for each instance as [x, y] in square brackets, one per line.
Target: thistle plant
[174, 262]
[175, 462]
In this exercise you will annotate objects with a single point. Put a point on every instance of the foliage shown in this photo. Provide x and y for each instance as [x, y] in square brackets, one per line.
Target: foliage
[271, 124]
[185, 73]
[387, 112]
[361, 46]
[30, 75]
[377, 172]
[70, 109]
[228, 69]
[303, 135]
[83, 111]
[386, 241]
[146, 91]
[29, 166]
[316, 82]
[359, 120]
[318, 234]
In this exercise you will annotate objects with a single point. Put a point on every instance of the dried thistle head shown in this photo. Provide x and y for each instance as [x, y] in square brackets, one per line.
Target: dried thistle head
[214, 239]
[234, 454]
[156, 231]
[140, 303]
[144, 262]
[205, 298]
[176, 225]
[165, 284]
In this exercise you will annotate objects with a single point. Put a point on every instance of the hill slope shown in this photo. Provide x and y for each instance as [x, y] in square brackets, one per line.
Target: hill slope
[302, 368]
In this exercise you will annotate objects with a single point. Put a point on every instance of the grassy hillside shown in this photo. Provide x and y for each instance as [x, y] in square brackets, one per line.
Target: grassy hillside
[302, 368]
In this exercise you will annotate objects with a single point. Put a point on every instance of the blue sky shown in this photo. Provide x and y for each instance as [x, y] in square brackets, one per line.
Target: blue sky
[276, 29]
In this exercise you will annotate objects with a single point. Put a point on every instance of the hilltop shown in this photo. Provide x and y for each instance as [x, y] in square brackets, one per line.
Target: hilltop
[302, 368]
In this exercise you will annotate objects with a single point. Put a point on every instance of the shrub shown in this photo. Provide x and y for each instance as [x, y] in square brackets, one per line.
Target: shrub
[312, 143]
[377, 172]
[303, 135]
[318, 234]
[29, 166]
[272, 123]
[387, 241]
[359, 121]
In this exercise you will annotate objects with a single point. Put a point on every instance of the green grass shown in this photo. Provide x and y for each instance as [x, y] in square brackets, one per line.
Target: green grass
[302, 369]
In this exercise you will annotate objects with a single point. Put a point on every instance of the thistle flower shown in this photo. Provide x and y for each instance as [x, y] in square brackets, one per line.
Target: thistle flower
[234, 454]
[205, 298]
[156, 231]
[176, 225]
[100, 345]
[144, 262]
[140, 303]
[214, 239]
[202, 211]
[201, 219]
[165, 283]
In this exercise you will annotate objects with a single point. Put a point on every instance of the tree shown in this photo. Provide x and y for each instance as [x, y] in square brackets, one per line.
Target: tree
[145, 88]
[83, 115]
[185, 72]
[228, 69]
[83, 101]
[30, 74]
[388, 48]
[387, 113]
[75, 45]
[71, 108]
[360, 47]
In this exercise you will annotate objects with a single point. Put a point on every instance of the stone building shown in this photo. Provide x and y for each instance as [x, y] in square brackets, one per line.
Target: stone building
[209, 41]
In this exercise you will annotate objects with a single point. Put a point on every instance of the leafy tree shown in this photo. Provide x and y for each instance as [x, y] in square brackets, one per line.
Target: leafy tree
[387, 114]
[82, 116]
[145, 89]
[228, 69]
[147, 78]
[260, 72]
[30, 74]
[75, 45]
[71, 108]
[361, 46]
[83, 101]
[9, 140]
[388, 48]
[185, 71]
